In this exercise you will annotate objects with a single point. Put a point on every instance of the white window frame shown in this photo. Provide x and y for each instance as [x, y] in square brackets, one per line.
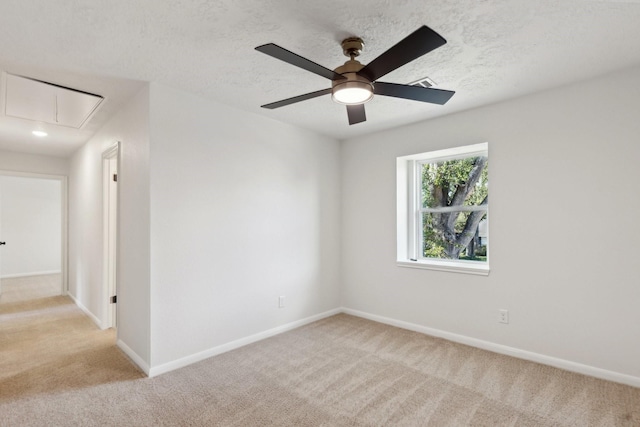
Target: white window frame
[409, 237]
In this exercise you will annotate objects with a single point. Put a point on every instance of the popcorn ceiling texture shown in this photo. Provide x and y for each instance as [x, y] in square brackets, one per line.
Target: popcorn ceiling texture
[496, 49]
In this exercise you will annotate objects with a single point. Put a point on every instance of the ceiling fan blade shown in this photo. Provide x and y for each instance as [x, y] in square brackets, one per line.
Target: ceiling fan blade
[356, 114]
[297, 99]
[416, 93]
[297, 60]
[421, 41]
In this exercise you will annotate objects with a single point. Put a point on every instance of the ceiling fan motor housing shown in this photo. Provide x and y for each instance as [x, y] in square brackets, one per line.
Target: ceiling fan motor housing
[350, 70]
[352, 79]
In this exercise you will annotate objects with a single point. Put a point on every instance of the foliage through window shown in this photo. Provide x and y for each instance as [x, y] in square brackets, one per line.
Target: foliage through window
[446, 207]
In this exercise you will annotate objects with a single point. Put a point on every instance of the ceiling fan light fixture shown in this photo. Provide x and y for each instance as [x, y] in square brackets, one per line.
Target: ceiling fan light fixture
[352, 92]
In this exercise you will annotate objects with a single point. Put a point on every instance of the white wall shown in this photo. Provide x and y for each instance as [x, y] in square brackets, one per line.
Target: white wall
[130, 126]
[563, 216]
[243, 209]
[20, 162]
[31, 224]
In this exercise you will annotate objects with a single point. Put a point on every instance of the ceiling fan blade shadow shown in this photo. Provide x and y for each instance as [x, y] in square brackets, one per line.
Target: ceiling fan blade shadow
[418, 43]
[416, 93]
[356, 114]
[297, 60]
[298, 98]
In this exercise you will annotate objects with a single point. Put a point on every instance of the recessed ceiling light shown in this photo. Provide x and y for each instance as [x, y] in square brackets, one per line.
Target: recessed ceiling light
[39, 133]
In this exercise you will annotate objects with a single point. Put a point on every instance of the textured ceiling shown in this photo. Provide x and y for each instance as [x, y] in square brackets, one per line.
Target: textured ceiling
[496, 49]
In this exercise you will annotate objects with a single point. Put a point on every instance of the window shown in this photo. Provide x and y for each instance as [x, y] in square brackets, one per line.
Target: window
[443, 210]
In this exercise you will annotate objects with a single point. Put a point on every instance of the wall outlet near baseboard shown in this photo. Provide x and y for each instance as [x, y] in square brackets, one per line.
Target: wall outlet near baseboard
[281, 300]
[503, 316]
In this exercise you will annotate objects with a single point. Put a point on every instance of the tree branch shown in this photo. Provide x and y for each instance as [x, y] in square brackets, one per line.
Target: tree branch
[464, 190]
[471, 226]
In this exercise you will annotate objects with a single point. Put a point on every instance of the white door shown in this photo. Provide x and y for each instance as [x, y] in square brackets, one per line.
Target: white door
[32, 221]
[2, 242]
[110, 232]
[112, 225]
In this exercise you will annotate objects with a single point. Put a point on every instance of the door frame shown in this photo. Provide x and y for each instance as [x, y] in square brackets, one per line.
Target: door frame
[64, 218]
[110, 234]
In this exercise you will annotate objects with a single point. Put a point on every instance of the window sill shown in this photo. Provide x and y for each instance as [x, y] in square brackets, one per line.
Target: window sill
[453, 267]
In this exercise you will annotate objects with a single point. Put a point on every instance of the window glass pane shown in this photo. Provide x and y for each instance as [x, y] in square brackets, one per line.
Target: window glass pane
[455, 182]
[455, 235]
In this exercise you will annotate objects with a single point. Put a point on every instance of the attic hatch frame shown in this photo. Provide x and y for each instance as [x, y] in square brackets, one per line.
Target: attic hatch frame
[82, 119]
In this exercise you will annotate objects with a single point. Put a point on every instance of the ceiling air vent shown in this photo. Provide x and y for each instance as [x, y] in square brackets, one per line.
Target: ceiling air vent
[40, 101]
[424, 82]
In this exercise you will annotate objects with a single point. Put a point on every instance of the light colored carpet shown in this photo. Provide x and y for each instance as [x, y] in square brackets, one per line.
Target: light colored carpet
[30, 287]
[58, 369]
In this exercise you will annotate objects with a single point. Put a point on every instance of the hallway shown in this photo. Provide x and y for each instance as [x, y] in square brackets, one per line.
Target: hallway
[48, 345]
[23, 289]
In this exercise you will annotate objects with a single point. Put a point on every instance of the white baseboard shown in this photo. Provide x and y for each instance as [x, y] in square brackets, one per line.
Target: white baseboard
[35, 273]
[503, 349]
[86, 311]
[133, 356]
[137, 360]
[197, 357]
[462, 339]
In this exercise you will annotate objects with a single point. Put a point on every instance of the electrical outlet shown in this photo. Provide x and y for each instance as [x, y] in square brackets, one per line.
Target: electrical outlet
[503, 316]
[281, 301]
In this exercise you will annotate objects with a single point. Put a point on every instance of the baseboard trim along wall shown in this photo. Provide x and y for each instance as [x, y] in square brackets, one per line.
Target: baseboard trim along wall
[86, 311]
[137, 360]
[35, 273]
[462, 339]
[503, 349]
[197, 357]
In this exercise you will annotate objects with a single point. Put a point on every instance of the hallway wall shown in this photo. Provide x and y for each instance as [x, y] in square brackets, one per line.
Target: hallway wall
[130, 126]
[22, 162]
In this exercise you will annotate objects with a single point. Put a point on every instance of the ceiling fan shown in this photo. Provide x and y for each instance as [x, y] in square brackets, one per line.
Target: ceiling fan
[353, 83]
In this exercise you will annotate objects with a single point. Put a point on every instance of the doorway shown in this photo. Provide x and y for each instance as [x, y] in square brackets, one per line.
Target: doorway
[33, 220]
[110, 232]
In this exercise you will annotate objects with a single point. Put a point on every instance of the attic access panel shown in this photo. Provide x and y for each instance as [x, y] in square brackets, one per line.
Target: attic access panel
[49, 103]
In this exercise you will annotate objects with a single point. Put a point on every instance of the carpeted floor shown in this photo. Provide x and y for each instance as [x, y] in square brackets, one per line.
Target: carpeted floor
[30, 287]
[58, 369]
